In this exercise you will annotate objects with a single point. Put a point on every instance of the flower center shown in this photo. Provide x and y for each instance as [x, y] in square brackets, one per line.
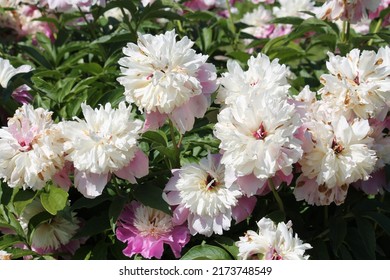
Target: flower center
[261, 133]
[211, 183]
[273, 255]
[337, 147]
[152, 222]
[25, 147]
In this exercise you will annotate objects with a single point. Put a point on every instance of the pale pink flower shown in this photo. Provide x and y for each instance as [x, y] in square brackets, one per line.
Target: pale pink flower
[204, 200]
[336, 154]
[257, 135]
[145, 231]
[32, 148]
[68, 6]
[264, 76]
[358, 84]
[259, 23]
[166, 78]
[104, 143]
[350, 10]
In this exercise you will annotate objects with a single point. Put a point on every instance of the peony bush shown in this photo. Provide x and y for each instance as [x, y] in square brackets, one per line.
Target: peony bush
[197, 129]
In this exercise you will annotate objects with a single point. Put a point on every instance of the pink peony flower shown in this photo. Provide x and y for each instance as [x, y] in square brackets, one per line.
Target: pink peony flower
[145, 231]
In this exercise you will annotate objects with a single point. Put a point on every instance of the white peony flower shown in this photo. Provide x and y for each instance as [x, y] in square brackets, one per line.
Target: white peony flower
[262, 74]
[257, 135]
[338, 152]
[31, 148]
[293, 8]
[50, 235]
[7, 71]
[162, 75]
[105, 142]
[204, 199]
[359, 83]
[259, 22]
[272, 242]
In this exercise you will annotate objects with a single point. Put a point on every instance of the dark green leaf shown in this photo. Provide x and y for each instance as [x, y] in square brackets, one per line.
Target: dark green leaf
[367, 234]
[151, 196]
[338, 231]
[115, 209]
[206, 252]
[93, 226]
[8, 240]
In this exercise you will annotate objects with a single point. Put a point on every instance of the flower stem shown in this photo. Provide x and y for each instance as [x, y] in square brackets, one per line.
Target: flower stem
[276, 194]
[376, 29]
[176, 150]
[231, 22]
[345, 32]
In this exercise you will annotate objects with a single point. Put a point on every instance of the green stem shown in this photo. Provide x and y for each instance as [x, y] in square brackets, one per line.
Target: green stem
[276, 195]
[376, 29]
[176, 150]
[345, 32]
[231, 22]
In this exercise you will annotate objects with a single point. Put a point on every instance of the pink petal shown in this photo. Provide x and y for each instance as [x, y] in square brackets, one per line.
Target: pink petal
[243, 208]
[89, 184]
[137, 168]
[61, 178]
[251, 185]
[183, 118]
[375, 184]
[154, 120]
[180, 215]
[208, 78]
[199, 105]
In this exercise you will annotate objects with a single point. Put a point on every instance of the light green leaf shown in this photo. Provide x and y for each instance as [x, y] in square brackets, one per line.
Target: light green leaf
[55, 200]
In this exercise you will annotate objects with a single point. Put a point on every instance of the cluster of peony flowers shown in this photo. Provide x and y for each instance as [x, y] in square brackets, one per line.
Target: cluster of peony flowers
[35, 150]
[345, 135]
[359, 13]
[22, 19]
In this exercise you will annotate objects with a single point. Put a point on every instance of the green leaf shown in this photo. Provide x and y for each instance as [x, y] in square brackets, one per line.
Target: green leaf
[206, 252]
[382, 220]
[5, 194]
[157, 137]
[93, 226]
[228, 244]
[88, 203]
[337, 233]
[36, 56]
[288, 20]
[22, 199]
[8, 240]
[277, 216]
[55, 200]
[151, 196]
[115, 210]
[367, 233]
[17, 253]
